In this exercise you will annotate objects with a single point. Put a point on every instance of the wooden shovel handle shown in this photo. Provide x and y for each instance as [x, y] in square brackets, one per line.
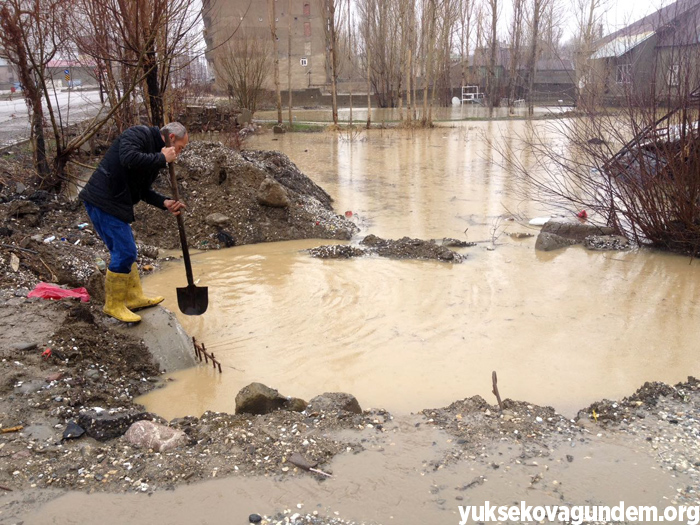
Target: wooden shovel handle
[180, 221]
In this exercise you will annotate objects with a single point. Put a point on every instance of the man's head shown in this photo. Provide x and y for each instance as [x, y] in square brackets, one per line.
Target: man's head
[176, 135]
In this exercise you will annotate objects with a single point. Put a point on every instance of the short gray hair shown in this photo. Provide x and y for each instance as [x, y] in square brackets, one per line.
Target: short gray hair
[175, 128]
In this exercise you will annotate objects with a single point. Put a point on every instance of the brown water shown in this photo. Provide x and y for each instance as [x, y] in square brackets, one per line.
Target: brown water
[561, 328]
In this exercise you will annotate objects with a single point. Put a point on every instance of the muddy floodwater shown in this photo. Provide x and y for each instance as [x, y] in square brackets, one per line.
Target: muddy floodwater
[561, 328]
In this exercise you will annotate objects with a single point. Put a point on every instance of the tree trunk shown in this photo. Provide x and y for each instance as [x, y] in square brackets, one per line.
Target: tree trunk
[537, 7]
[276, 51]
[332, 44]
[289, 64]
[155, 97]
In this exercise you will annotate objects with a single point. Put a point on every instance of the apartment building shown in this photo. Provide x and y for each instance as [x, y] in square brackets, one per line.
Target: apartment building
[228, 20]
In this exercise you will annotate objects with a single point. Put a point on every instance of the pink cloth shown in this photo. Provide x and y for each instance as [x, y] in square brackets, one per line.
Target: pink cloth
[51, 291]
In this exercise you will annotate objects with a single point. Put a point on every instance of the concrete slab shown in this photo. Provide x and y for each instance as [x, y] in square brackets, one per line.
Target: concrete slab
[166, 339]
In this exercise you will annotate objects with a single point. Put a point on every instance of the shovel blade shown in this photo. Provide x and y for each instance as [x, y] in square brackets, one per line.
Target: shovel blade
[193, 300]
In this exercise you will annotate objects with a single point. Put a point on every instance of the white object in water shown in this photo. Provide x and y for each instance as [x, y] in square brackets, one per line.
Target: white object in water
[456, 101]
[539, 221]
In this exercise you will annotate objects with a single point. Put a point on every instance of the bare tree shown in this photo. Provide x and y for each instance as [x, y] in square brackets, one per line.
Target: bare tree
[588, 17]
[275, 57]
[244, 64]
[332, 11]
[516, 37]
[491, 91]
[466, 11]
[289, 63]
[29, 33]
[537, 10]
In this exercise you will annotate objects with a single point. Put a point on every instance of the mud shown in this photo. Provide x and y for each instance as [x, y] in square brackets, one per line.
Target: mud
[217, 180]
[404, 248]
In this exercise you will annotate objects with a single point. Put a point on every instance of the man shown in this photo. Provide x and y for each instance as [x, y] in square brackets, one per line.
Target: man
[123, 178]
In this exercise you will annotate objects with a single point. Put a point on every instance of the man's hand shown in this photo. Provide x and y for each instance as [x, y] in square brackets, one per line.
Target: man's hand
[170, 154]
[174, 207]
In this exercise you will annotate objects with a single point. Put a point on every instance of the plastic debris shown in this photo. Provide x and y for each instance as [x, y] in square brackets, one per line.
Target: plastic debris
[539, 221]
[51, 291]
[49, 239]
[582, 214]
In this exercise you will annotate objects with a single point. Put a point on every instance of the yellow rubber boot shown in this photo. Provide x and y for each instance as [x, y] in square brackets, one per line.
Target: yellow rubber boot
[135, 299]
[116, 285]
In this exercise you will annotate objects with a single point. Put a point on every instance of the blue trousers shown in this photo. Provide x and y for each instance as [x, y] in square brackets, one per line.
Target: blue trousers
[118, 237]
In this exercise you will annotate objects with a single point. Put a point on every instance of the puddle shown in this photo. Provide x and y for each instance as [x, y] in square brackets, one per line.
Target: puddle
[392, 481]
[561, 328]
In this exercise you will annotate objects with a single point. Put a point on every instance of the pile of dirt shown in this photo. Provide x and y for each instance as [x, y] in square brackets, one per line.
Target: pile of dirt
[404, 248]
[607, 412]
[473, 422]
[238, 198]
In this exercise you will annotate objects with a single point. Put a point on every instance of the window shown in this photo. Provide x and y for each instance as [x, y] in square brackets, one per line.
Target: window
[307, 9]
[307, 29]
[624, 73]
[673, 71]
[307, 48]
[304, 62]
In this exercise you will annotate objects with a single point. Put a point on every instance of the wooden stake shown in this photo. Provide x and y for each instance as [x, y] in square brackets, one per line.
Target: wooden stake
[494, 378]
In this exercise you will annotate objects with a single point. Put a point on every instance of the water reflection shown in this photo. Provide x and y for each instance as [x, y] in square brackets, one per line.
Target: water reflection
[562, 328]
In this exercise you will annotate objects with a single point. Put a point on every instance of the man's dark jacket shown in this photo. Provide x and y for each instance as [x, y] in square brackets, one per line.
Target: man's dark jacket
[125, 175]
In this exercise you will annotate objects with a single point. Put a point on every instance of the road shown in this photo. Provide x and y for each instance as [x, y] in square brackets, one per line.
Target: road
[14, 117]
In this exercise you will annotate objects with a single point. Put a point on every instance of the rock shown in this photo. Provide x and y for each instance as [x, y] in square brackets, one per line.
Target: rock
[22, 346]
[254, 518]
[73, 431]
[102, 425]
[272, 193]
[257, 398]
[606, 242]
[278, 130]
[93, 374]
[226, 239]
[294, 404]
[149, 251]
[574, 229]
[548, 242]
[20, 188]
[154, 436]
[217, 219]
[335, 401]
[96, 287]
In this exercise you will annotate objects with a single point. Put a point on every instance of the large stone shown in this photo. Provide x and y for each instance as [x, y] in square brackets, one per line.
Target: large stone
[257, 398]
[217, 219]
[335, 402]
[547, 242]
[154, 436]
[103, 425]
[574, 229]
[272, 193]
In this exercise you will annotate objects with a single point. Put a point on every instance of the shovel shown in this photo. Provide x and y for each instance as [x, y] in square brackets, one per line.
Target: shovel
[192, 300]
